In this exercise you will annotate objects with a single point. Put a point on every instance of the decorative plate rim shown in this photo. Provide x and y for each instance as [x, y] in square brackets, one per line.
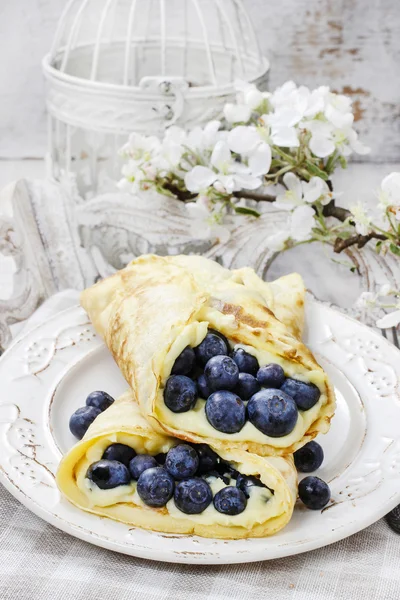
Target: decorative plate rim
[375, 358]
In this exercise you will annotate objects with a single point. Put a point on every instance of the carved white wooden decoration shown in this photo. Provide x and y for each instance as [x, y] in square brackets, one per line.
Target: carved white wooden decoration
[59, 241]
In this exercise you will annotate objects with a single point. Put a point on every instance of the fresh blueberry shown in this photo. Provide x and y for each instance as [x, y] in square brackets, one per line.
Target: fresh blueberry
[221, 335]
[141, 463]
[180, 393]
[245, 361]
[81, 420]
[271, 376]
[272, 412]
[182, 461]
[306, 395]
[221, 373]
[192, 496]
[314, 492]
[309, 458]
[230, 501]
[246, 482]
[155, 487]
[119, 452]
[393, 519]
[203, 387]
[100, 400]
[108, 474]
[226, 412]
[185, 362]
[212, 345]
[247, 386]
[208, 459]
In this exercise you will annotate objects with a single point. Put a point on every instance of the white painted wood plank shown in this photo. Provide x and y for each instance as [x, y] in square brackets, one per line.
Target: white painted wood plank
[352, 45]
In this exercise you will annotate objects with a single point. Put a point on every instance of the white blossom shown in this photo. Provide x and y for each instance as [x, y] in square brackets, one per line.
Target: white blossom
[366, 300]
[390, 320]
[140, 148]
[361, 219]
[247, 142]
[389, 194]
[326, 138]
[231, 174]
[206, 224]
[237, 113]
[277, 241]
[300, 192]
[302, 223]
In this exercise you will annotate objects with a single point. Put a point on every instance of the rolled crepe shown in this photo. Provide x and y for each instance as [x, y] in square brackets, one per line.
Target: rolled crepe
[150, 311]
[268, 509]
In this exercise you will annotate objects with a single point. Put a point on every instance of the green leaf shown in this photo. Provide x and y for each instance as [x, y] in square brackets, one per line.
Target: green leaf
[395, 249]
[243, 210]
[343, 162]
[314, 170]
[353, 269]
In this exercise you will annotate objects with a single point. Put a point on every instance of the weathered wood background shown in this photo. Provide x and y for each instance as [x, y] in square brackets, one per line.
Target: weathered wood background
[352, 45]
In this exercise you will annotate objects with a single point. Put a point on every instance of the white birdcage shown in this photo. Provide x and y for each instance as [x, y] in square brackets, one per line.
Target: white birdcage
[118, 66]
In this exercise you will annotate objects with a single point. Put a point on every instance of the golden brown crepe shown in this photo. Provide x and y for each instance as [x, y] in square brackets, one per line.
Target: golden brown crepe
[267, 510]
[150, 311]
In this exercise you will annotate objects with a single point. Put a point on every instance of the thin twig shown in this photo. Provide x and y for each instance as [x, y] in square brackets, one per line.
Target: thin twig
[356, 240]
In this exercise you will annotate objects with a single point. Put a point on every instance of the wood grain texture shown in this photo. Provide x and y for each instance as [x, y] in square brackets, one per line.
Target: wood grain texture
[352, 45]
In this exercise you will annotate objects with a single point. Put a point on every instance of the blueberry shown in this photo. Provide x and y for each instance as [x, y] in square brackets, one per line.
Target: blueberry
[108, 474]
[119, 452]
[212, 345]
[306, 395]
[100, 400]
[221, 335]
[155, 487]
[221, 373]
[141, 463]
[245, 361]
[272, 412]
[246, 482]
[314, 492]
[81, 420]
[393, 519]
[271, 376]
[208, 459]
[180, 393]
[309, 458]
[230, 501]
[182, 461]
[202, 386]
[226, 412]
[247, 386]
[185, 362]
[192, 496]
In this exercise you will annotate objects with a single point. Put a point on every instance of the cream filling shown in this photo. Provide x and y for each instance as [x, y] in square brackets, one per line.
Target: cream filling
[195, 420]
[262, 505]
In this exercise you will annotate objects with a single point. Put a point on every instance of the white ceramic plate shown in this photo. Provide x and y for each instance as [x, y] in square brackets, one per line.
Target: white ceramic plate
[47, 375]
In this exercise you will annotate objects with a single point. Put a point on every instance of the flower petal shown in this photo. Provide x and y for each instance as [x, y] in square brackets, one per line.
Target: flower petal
[260, 160]
[302, 223]
[221, 156]
[243, 140]
[237, 113]
[199, 178]
[390, 320]
[321, 146]
[293, 183]
[277, 240]
[285, 136]
[314, 189]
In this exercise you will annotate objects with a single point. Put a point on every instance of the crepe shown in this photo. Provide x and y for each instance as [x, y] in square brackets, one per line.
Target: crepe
[150, 311]
[268, 509]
